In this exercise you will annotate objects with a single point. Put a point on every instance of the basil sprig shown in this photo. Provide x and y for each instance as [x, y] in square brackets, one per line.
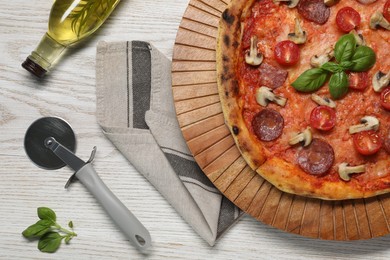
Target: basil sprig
[348, 56]
[48, 231]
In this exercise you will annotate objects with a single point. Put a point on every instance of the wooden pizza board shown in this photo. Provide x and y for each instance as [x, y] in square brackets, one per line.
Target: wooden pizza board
[202, 123]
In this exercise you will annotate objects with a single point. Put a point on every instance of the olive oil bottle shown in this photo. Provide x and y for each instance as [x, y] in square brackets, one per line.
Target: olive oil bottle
[70, 22]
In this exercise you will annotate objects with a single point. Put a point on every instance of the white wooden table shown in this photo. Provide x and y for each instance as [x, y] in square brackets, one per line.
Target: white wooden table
[69, 92]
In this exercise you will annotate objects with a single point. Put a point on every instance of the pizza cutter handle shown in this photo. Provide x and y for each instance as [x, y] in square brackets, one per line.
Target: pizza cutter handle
[123, 218]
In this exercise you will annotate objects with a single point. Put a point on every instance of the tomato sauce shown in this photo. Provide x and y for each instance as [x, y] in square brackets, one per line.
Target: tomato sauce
[271, 23]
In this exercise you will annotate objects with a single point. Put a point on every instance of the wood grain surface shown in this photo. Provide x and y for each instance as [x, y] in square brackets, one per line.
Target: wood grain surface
[69, 92]
[201, 119]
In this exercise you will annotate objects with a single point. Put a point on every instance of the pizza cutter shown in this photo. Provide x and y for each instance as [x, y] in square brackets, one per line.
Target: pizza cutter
[50, 143]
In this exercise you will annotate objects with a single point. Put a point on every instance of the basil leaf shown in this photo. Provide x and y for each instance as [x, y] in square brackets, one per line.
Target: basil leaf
[38, 229]
[50, 242]
[345, 48]
[310, 80]
[331, 67]
[46, 213]
[338, 84]
[346, 65]
[364, 58]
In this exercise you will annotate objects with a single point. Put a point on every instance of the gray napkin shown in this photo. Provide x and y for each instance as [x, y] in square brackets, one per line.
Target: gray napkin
[136, 112]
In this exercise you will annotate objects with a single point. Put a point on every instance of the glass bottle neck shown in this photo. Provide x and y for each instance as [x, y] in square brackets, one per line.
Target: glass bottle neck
[41, 59]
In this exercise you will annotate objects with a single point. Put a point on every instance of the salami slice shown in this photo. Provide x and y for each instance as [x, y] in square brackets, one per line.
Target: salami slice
[272, 76]
[268, 124]
[314, 10]
[317, 158]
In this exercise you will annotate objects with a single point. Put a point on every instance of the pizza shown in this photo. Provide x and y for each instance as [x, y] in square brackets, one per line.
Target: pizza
[304, 88]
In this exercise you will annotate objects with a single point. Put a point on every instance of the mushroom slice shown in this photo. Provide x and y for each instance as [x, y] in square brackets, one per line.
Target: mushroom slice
[380, 80]
[264, 95]
[323, 101]
[299, 35]
[366, 2]
[331, 2]
[304, 137]
[359, 37]
[377, 20]
[253, 57]
[290, 3]
[366, 123]
[318, 60]
[345, 170]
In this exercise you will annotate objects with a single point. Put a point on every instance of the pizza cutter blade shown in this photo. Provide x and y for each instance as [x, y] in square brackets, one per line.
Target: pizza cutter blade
[36, 135]
[50, 143]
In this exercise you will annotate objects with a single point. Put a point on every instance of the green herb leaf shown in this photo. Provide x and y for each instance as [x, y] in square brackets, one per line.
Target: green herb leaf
[38, 229]
[346, 65]
[49, 232]
[331, 67]
[50, 242]
[67, 239]
[364, 58]
[47, 214]
[310, 80]
[338, 84]
[345, 48]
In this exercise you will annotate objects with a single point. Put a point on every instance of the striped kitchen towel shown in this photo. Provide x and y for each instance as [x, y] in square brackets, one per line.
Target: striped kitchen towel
[136, 112]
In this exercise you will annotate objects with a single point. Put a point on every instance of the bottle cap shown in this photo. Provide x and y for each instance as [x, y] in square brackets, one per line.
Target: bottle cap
[34, 68]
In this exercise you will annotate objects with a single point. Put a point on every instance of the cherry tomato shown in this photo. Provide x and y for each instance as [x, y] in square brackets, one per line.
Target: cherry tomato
[323, 118]
[386, 10]
[347, 19]
[358, 80]
[287, 53]
[385, 98]
[367, 142]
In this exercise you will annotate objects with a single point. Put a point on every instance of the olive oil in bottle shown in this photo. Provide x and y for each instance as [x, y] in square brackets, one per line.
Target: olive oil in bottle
[70, 21]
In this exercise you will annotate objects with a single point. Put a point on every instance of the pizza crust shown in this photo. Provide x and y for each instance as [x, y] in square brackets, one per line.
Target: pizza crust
[282, 174]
